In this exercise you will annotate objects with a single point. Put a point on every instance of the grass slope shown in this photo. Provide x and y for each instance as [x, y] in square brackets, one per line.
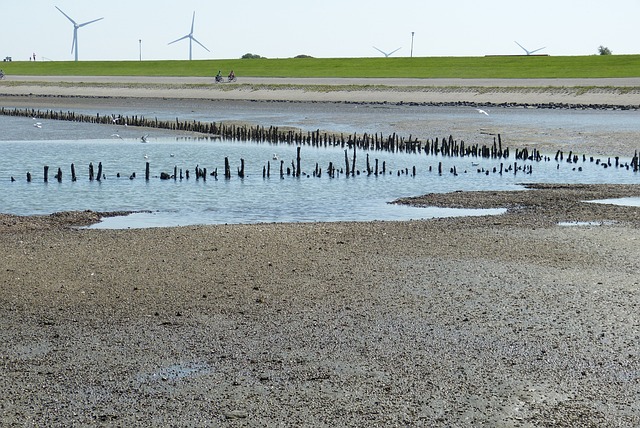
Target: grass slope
[435, 67]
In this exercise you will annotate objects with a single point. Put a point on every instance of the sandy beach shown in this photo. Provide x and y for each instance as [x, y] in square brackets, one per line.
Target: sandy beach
[527, 319]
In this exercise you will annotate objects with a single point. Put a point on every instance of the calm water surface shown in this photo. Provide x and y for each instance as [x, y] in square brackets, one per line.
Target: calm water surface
[253, 199]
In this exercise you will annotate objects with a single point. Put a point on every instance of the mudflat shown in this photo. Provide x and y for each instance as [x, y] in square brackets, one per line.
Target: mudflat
[525, 319]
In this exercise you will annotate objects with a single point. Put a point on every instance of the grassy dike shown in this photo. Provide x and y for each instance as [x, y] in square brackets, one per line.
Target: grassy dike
[594, 66]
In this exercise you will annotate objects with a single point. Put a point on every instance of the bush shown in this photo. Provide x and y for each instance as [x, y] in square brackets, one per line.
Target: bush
[603, 50]
[251, 56]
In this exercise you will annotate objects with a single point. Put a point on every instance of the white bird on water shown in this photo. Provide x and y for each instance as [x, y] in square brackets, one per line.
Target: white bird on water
[274, 157]
[144, 138]
[37, 125]
[116, 136]
[482, 111]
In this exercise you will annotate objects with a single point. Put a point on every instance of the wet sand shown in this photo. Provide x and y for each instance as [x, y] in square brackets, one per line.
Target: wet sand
[623, 92]
[508, 320]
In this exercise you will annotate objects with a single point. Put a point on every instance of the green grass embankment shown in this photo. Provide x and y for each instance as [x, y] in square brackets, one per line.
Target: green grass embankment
[594, 66]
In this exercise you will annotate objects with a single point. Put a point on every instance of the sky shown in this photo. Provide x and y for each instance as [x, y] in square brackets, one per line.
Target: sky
[322, 29]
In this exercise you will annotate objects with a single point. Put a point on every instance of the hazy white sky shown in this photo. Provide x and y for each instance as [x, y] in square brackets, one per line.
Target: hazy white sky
[326, 28]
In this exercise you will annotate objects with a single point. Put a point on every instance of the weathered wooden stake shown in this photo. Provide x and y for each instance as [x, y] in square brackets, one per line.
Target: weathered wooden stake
[241, 169]
[346, 161]
[46, 173]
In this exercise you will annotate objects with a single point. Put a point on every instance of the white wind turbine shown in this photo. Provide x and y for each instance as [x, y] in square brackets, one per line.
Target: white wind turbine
[386, 54]
[527, 51]
[191, 38]
[74, 44]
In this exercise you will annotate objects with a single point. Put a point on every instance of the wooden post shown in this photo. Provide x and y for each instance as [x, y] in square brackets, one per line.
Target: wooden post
[59, 175]
[227, 168]
[241, 169]
[353, 168]
[146, 172]
[28, 177]
[298, 162]
[73, 172]
[99, 176]
[346, 161]
[90, 171]
[46, 173]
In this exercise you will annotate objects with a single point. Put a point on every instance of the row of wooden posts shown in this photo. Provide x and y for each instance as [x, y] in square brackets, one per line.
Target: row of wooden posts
[446, 146]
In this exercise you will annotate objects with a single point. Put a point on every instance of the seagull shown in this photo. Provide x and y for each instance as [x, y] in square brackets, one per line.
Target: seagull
[144, 138]
[275, 157]
[37, 125]
[482, 111]
[146, 156]
[116, 136]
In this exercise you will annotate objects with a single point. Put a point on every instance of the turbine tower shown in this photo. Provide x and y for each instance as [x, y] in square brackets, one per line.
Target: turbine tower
[527, 51]
[74, 44]
[386, 54]
[191, 38]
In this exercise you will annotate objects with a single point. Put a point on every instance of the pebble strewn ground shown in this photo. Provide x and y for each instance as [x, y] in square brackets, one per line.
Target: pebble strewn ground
[495, 321]
[505, 321]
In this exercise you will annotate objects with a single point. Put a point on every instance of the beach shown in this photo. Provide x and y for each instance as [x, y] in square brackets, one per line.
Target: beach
[526, 319]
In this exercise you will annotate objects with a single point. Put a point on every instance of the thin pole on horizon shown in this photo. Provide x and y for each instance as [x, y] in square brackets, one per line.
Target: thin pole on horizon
[412, 33]
[140, 47]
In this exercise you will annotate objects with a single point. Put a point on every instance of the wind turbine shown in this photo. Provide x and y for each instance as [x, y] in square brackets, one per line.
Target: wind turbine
[191, 38]
[386, 54]
[528, 52]
[74, 44]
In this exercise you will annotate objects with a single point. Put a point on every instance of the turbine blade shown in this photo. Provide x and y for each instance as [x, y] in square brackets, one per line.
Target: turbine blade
[68, 17]
[193, 21]
[539, 49]
[383, 53]
[394, 51]
[194, 39]
[522, 47]
[181, 38]
[89, 22]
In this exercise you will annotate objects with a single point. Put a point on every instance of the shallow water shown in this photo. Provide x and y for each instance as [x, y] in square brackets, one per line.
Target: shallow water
[267, 199]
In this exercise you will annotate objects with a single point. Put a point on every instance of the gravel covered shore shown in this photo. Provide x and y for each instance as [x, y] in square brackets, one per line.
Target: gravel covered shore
[506, 321]
[497, 321]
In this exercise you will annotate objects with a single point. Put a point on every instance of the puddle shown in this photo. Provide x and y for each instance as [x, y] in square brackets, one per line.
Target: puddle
[587, 223]
[627, 202]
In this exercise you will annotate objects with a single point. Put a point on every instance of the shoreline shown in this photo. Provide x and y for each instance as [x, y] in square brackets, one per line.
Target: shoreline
[511, 320]
[608, 93]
